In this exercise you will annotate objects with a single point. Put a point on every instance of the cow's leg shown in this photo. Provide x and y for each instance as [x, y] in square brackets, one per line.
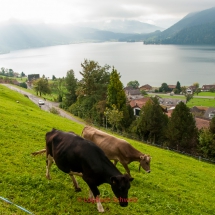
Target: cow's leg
[96, 193]
[90, 194]
[76, 173]
[39, 152]
[99, 204]
[126, 168]
[75, 183]
[49, 162]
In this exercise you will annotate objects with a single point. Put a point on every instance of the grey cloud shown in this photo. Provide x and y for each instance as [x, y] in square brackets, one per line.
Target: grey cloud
[171, 11]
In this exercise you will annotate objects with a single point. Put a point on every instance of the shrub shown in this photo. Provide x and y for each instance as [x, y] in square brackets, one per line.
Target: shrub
[54, 111]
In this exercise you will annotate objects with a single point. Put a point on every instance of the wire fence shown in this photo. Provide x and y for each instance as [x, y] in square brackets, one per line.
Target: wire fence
[198, 157]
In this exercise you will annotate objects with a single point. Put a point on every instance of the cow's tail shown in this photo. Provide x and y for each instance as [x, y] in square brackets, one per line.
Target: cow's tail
[39, 152]
[82, 132]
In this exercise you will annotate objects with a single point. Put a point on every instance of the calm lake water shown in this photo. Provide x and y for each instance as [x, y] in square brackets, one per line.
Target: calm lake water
[148, 64]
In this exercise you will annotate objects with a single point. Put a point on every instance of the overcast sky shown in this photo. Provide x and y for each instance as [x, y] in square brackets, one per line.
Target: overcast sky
[161, 13]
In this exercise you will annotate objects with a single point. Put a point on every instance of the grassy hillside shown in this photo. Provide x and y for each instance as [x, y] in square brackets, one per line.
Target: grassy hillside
[176, 185]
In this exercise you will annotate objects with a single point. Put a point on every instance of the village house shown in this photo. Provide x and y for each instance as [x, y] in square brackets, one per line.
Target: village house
[209, 113]
[202, 123]
[191, 89]
[171, 87]
[32, 78]
[170, 102]
[146, 87]
[198, 111]
[132, 93]
[208, 87]
[137, 104]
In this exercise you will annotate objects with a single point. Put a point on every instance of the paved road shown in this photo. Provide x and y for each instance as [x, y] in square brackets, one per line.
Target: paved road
[48, 104]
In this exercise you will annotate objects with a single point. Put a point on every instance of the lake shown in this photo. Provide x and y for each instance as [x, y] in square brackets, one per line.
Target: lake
[148, 64]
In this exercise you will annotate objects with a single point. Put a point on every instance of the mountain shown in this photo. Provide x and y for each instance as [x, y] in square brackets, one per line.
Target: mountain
[19, 35]
[195, 28]
[123, 26]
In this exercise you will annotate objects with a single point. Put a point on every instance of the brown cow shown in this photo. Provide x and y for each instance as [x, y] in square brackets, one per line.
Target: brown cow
[117, 149]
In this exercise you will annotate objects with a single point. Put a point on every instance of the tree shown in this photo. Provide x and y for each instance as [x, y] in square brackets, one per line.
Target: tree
[164, 88]
[152, 122]
[212, 90]
[3, 71]
[10, 73]
[128, 117]
[41, 86]
[22, 74]
[197, 91]
[181, 130]
[196, 85]
[143, 92]
[212, 126]
[59, 86]
[114, 116]
[116, 95]
[183, 90]
[206, 144]
[95, 80]
[135, 84]
[91, 89]
[23, 85]
[188, 97]
[178, 87]
[71, 86]
[53, 77]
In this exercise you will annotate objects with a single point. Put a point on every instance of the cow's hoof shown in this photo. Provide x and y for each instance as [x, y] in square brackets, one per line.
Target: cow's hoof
[78, 189]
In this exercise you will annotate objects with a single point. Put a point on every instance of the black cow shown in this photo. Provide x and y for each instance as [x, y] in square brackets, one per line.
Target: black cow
[77, 156]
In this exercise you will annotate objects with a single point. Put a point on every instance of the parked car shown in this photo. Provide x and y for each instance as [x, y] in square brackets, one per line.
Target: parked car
[41, 102]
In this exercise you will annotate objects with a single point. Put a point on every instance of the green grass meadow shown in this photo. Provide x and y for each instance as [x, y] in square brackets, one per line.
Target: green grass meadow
[177, 184]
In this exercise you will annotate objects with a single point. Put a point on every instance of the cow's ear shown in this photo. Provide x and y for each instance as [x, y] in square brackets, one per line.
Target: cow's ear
[113, 180]
[129, 177]
[142, 157]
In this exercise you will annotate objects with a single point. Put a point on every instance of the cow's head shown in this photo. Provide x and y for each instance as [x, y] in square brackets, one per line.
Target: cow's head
[120, 185]
[145, 163]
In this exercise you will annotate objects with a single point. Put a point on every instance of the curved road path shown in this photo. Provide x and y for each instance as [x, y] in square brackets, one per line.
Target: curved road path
[48, 104]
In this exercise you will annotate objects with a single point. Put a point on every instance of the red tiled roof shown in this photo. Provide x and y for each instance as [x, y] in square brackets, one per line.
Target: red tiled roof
[202, 108]
[146, 86]
[172, 86]
[202, 123]
[169, 113]
[139, 102]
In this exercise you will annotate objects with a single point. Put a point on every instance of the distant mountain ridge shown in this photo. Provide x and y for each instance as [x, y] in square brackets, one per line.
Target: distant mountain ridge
[124, 26]
[17, 35]
[195, 28]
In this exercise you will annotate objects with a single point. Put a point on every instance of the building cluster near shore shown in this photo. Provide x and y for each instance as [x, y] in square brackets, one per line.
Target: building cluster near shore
[202, 115]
